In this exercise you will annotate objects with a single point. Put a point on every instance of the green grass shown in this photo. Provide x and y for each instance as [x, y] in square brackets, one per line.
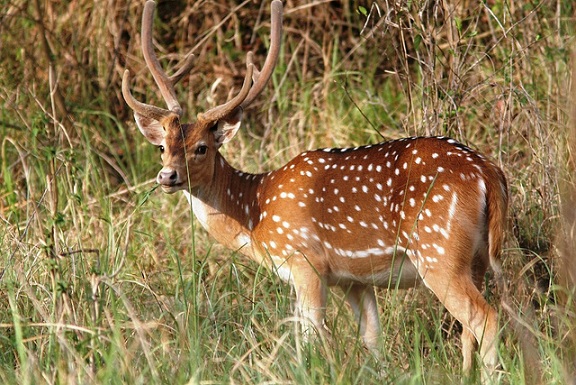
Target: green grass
[104, 279]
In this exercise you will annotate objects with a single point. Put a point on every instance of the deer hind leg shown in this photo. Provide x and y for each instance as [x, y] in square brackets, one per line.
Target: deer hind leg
[468, 348]
[469, 342]
[362, 300]
[464, 301]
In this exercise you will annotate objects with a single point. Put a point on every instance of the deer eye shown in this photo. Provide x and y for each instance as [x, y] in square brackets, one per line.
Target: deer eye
[161, 149]
[201, 150]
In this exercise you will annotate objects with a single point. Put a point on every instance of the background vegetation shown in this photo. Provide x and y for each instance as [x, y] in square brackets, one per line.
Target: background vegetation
[103, 279]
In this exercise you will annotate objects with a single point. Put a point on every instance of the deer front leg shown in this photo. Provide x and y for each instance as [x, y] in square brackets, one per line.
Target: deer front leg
[362, 300]
[311, 294]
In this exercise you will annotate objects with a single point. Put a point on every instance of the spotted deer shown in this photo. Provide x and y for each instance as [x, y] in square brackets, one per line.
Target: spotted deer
[395, 214]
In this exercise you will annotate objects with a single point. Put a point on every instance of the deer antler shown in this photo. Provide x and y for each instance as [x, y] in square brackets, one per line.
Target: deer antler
[259, 78]
[165, 83]
[254, 80]
[143, 109]
[223, 110]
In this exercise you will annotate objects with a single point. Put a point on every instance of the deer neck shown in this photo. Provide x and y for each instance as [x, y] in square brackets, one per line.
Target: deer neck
[228, 208]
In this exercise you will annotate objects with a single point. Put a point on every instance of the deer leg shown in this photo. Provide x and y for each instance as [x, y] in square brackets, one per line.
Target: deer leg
[311, 293]
[362, 300]
[468, 348]
[465, 302]
[469, 342]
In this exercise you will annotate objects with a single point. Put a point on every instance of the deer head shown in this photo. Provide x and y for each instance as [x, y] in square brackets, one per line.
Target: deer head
[189, 150]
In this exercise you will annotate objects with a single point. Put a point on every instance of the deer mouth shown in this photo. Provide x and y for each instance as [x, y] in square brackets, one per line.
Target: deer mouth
[172, 188]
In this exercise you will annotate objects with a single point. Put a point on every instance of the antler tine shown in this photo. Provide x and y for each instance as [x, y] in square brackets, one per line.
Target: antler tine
[261, 77]
[250, 90]
[165, 83]
[183, 71]
[221, 111]
[143, 109]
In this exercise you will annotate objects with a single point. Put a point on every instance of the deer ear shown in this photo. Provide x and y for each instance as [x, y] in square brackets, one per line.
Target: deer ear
[150, 128]
[228, 127]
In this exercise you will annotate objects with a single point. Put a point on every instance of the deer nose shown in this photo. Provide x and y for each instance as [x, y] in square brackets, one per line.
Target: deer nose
[167, 177]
